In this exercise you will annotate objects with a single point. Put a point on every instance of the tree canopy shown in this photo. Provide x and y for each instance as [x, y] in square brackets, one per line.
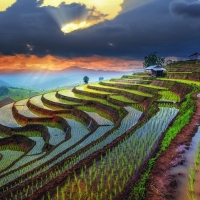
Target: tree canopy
[3, 90]
[86, 79]
[153, 59]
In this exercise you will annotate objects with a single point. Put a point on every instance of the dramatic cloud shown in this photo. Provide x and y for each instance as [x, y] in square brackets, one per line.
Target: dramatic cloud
[109, 8]
[128, 5]
[6, 4]
[186, 9]
[75, 16]
[28, 28]
[32, 62]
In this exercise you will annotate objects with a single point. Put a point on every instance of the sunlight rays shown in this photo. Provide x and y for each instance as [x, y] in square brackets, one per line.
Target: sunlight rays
[88, 12]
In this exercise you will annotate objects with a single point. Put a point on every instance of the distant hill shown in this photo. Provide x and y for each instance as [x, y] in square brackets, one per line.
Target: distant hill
[69, 76]
[48, 79]
[16, 93]
[51, 84]
[3, 83]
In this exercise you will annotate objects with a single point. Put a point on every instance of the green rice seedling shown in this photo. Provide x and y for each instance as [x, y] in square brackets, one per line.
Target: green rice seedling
[192, 174]
[48, 196]
[70, 194]
[191, 196]
[191, 183]
[57, 193]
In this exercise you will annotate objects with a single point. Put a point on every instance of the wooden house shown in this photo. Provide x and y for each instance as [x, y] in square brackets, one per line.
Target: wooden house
[155, 70]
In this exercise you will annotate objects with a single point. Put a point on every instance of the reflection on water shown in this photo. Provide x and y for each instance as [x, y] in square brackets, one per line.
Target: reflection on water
[183, 171]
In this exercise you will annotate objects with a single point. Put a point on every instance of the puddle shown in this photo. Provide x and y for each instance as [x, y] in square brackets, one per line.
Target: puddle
[183, 170]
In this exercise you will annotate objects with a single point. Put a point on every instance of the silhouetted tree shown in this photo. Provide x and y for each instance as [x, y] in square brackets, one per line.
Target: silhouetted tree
[153, 59]
[85, 79]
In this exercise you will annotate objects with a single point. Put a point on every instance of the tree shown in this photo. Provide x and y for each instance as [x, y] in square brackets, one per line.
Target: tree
[169, 61]
[85, 79]
[153, 59]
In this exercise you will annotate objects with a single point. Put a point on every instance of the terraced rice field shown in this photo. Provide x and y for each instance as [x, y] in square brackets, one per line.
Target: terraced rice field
[6, 117]
[37, 101]
[95, 141]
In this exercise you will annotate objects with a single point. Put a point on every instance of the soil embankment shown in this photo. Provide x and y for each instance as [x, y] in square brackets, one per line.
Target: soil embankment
[162, 185]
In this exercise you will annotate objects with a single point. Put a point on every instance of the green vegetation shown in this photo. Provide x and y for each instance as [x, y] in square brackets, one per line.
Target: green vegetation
[179, 72]
[122, 98]
[189, 82]
[85, 88]
[125, 90]
[103, 101]
[138, 106]
[4, 90]
[3, 135]
[169, 96]
[153, 59]
[86, 79]
[12, 147]
[151, 109]
[16, 93]
[185, 113]
[29, 133]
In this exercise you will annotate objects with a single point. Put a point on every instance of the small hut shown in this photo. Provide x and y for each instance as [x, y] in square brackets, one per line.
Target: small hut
[155, 70]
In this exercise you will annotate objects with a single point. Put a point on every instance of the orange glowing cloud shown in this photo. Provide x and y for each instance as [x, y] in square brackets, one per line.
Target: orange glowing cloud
[32, 62]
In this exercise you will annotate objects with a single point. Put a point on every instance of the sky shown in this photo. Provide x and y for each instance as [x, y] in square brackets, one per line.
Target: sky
[95, 34]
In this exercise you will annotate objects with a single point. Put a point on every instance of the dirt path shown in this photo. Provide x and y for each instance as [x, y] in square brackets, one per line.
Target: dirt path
[162, 184]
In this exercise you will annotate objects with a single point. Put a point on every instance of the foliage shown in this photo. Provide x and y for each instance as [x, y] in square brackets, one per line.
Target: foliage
[3, 90]
[122, 98]
[16, 93]
[186, 111]
[153, 59]
[151, 109]
[86, 79]
[169, 96]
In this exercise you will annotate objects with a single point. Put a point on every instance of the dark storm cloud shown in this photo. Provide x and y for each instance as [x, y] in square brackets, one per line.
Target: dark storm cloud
[186, 9]
[25, 23]
[132, 34]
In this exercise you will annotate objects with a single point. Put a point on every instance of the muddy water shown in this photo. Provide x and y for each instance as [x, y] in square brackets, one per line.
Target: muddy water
[183, 171]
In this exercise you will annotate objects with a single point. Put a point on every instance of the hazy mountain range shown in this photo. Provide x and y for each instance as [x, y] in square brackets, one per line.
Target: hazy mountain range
[47, 79]
[3, 83]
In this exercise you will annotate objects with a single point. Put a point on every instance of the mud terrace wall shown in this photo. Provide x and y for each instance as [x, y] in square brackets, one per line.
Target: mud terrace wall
[179, 88]
[73, 111]
[132, 87]
[195, 76]
[39, 127]
[114, 113]
[90, 94]
[60, 96]
[20, 140]
[56, 104]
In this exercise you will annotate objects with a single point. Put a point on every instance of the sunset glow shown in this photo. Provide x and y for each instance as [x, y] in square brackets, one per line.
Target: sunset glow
[28, 63]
